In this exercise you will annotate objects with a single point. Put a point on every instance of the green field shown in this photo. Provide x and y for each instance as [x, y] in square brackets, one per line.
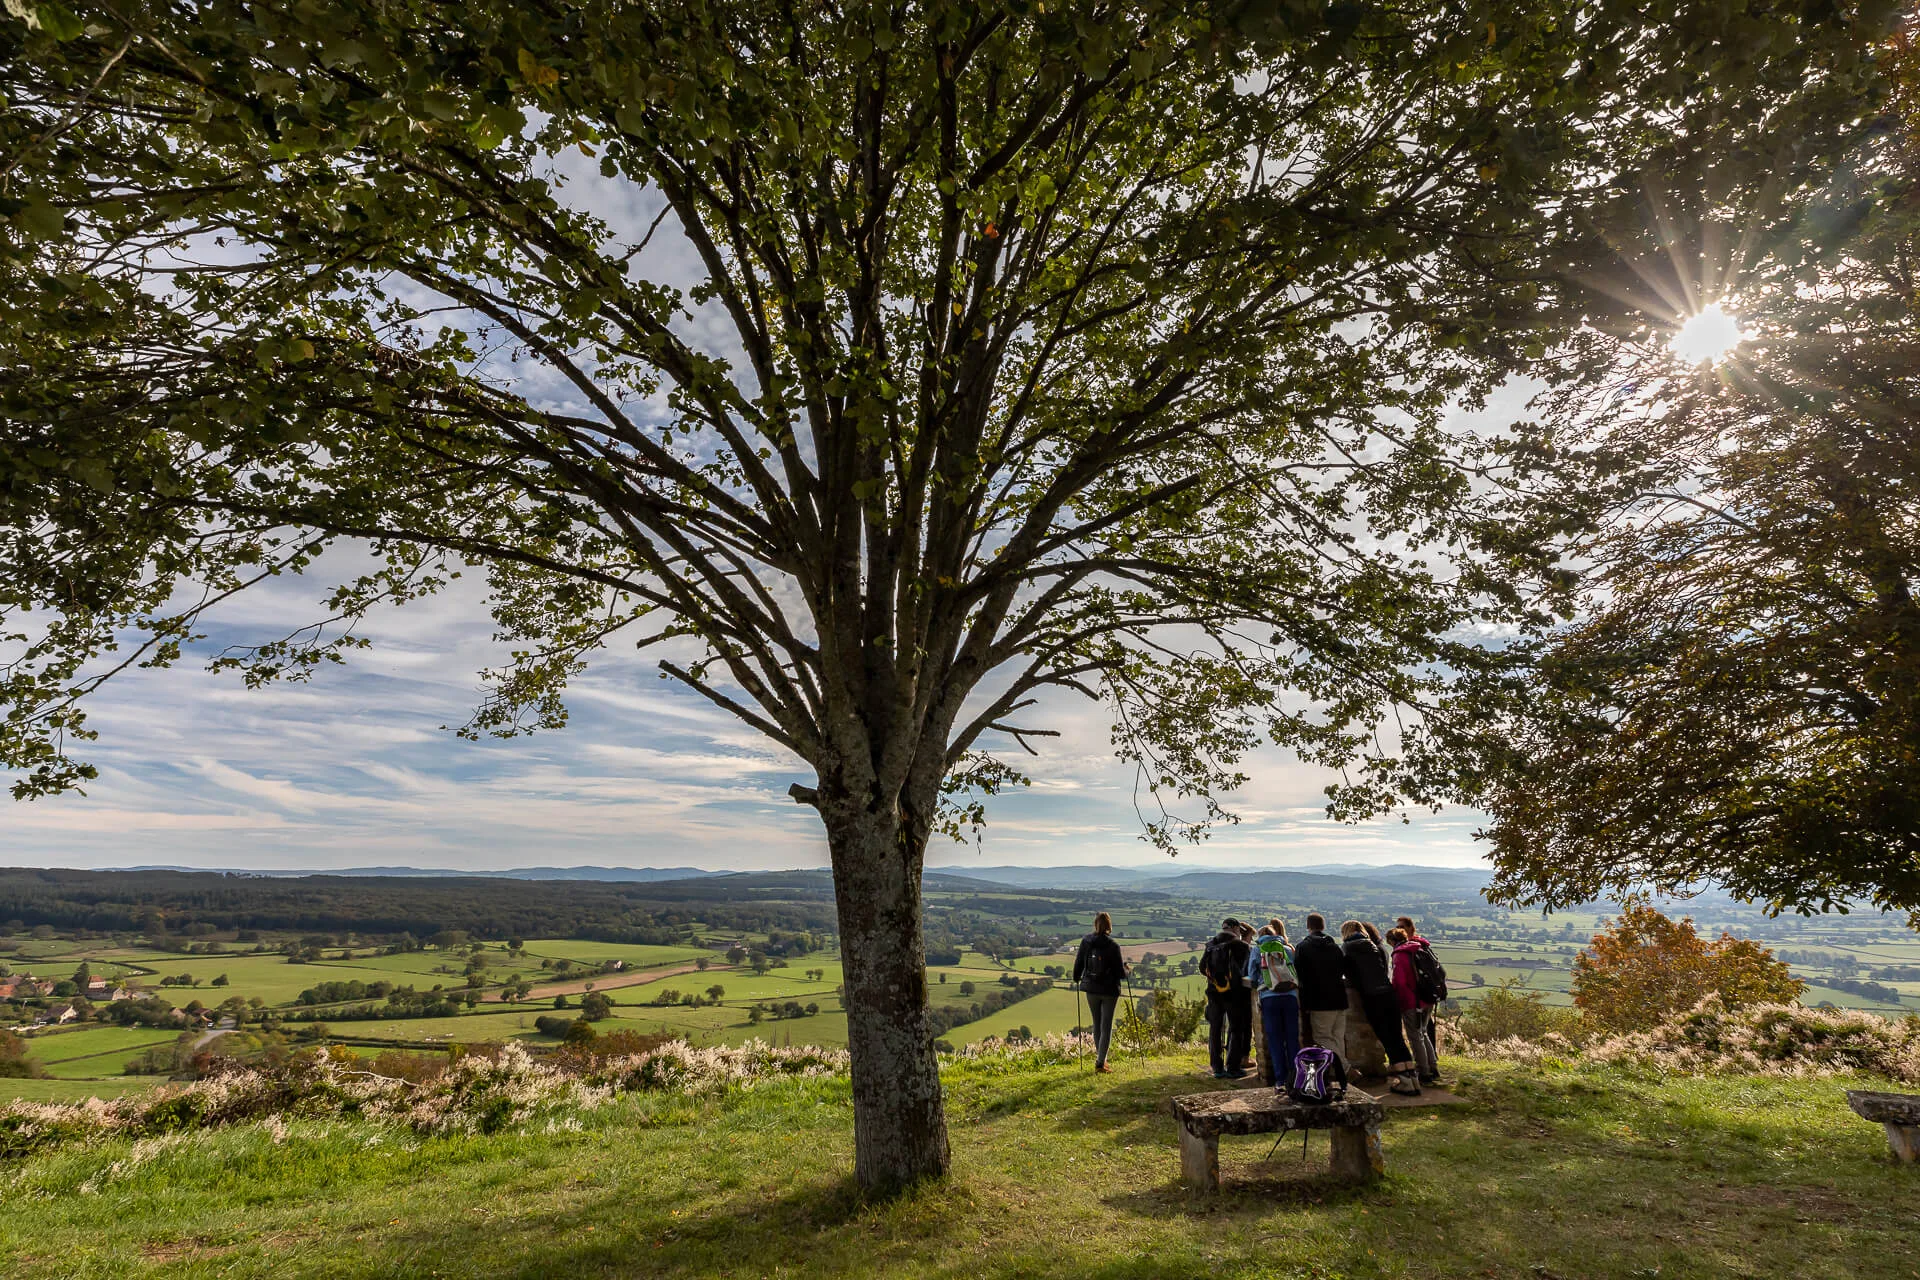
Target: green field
[92, 1052]
[58, 1090]
[1049, 1011]
[636, 955]
[1539, 1174]
[1474, 941]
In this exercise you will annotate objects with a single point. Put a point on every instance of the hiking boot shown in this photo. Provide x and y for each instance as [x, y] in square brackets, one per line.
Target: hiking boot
[1103, 1069]
[1405, 1087]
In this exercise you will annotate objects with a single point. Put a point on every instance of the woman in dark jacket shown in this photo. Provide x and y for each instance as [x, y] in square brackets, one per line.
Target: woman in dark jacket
[1367, 970]
[1097, 971]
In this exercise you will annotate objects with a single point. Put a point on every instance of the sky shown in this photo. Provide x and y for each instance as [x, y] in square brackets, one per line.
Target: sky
[356, 768]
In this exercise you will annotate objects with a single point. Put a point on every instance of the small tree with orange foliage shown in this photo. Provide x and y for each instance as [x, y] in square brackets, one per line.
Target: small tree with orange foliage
[1647, 967]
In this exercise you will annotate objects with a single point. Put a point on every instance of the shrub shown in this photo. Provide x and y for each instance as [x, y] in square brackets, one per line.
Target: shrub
[1515, 1011]
[14, 1063]
[1772, 1039]
[415, 1068]
[595, 1005]
[588, 1054]
[1646, 968]
[1162, 1019]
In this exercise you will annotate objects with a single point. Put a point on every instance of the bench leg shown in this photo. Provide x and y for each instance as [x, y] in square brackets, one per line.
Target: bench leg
[1356, 1153]
[1199, 1160]
[1905, 1141]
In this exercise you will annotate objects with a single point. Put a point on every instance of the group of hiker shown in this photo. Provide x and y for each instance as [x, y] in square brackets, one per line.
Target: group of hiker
[1301, 992]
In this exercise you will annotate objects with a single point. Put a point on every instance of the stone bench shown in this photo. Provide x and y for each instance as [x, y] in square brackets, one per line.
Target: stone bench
[1899, 1112]
[1203, 1117]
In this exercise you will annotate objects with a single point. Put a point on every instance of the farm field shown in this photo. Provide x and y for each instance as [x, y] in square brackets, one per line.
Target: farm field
[93, 1052]
[59, 1090]
[1855, 962]
[636, 955]
[1050, 1011]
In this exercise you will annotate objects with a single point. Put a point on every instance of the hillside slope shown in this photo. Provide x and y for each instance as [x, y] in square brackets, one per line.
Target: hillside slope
[1546, 1171]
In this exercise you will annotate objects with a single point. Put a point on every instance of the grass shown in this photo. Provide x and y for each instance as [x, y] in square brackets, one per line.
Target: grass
[94, 1052]
[637, 955]
[61, 1090]
[1054, 1010]
[1543, 1172]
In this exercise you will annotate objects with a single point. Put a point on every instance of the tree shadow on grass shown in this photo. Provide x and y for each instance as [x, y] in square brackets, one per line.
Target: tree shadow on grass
[1139, 1109]
[1245, 1193]
[752, 1232]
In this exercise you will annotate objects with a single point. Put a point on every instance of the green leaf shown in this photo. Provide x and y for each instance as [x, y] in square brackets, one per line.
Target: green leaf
[58, 21]
[486, 133]
[40, 220]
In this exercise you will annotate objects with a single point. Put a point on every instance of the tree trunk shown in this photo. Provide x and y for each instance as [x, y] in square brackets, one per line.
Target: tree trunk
[899, 1120]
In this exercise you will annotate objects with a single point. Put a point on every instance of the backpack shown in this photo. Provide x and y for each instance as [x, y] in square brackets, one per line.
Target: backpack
[1319, 1077]
[1217, 964]
[1277, 964]
[1095, 969]
[1429, 976]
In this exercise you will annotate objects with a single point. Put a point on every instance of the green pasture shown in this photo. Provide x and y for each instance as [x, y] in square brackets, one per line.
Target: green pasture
[64, 1090]
[1817, 993]
[406, 967]
[637, 955]
[91, 1052]
[269, 977]
[1049, 1011]
[503, 1022]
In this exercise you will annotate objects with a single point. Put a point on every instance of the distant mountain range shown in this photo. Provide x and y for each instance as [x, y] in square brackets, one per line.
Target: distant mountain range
[616, 874]
[1289, 885]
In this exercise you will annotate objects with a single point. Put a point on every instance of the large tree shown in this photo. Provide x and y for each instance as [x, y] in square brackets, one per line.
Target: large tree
[887, 365]
[1739, 701]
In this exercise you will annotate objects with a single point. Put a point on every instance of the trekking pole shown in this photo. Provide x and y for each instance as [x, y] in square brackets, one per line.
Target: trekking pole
[1078, 1023]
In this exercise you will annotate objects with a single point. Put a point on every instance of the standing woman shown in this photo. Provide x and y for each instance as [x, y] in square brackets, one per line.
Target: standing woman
[1097, 971]
[1279, 986]
[1373, 932]
[1413, 1014]
[1367, 970]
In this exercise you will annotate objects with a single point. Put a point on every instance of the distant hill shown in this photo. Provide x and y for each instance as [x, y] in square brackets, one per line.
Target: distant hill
[616, 875]
[1280, 885]
[1301, 888]
[1081, 877]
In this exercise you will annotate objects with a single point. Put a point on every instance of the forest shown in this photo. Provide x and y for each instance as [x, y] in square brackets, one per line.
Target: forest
[164, 905]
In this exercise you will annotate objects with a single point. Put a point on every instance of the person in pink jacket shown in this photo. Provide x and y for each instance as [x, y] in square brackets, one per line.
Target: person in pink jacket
[1433, 1042]
[1413, 1014]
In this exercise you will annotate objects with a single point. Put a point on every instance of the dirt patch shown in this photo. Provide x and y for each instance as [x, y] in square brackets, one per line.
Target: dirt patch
[1792, 1204]
[196, 1249]
[1134, 950]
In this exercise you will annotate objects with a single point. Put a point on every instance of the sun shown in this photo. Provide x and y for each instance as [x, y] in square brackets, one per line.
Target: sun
[1708, 336]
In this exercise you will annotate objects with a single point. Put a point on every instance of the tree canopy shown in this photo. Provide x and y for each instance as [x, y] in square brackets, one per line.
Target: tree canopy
[1738, 702]
[884, 367]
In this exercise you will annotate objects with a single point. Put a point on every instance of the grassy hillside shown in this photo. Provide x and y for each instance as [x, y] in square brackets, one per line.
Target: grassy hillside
[1545, 1171]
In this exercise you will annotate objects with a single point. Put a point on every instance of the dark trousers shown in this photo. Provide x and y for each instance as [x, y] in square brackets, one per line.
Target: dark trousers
[1229, 1017]
[1383, 1015]
[1102, 1008]
[1280, 1019]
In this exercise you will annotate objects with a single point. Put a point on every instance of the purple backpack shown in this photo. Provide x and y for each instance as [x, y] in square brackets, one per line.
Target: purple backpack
[1319, 1077]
